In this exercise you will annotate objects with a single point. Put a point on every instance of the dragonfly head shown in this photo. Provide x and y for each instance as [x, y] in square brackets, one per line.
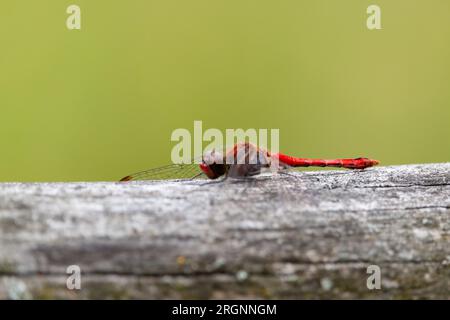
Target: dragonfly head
[213, 164]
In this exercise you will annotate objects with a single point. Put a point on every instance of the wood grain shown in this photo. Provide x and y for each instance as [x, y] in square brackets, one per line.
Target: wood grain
[303, 235]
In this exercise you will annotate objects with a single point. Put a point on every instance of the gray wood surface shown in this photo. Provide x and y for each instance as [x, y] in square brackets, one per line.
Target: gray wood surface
[304, 235]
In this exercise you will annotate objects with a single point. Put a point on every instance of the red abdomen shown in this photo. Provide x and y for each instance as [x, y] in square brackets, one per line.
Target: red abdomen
[356, 163]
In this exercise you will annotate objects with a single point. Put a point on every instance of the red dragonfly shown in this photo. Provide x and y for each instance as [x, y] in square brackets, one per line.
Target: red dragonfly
[243, 160]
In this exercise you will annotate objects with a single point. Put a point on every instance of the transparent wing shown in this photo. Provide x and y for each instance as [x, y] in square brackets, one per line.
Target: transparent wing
[169, 172]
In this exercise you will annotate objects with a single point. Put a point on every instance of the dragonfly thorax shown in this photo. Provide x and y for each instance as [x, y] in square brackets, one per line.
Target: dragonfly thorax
[243, 160]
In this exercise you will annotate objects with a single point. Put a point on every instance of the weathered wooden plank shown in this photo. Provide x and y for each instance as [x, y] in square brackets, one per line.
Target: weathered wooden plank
[303, 235]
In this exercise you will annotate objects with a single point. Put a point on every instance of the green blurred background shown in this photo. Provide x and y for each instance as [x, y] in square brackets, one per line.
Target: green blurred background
[99, 103]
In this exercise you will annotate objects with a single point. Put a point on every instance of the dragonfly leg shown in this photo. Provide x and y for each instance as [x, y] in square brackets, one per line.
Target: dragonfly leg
[287, 173]
[215, 181]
